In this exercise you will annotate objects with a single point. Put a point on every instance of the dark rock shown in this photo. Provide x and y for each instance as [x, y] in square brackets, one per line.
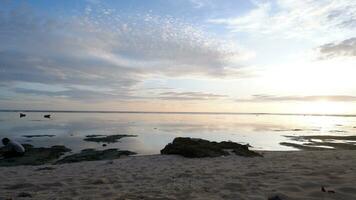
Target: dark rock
[278, 197]
[105, 138]
[35, 156]
[92, 136]
[47, 116]
[92, 154]
[196, 148]
[32, 136]
[275, 198]
[22, 115]
[24, 194]
[337, 131]
[104, 145]
[297, 129]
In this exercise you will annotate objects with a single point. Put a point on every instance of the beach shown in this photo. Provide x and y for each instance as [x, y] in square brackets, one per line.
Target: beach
[286, 174]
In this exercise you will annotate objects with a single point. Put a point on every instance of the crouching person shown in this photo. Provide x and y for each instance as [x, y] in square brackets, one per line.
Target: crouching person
[12, 148]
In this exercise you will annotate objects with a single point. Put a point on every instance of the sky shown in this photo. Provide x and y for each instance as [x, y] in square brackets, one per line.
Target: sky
[279, 56]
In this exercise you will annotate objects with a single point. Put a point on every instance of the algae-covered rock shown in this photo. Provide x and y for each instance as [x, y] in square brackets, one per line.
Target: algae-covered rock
[106, 138]
[197, 148]
[35, 156]
[92, 154]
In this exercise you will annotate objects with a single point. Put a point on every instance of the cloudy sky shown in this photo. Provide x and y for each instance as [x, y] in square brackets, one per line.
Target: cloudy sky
[179, 55]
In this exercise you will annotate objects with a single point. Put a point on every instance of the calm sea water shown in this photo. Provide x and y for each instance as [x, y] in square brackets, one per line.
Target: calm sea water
[154, 131]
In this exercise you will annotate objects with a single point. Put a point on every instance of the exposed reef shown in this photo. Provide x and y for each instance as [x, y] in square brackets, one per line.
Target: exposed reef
[197, 148]
[33, 136]
[106, 138]
[35, 156]
[322, 142]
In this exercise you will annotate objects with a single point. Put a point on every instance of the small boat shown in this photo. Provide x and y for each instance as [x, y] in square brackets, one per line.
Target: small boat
[47, 116]
[22, 115]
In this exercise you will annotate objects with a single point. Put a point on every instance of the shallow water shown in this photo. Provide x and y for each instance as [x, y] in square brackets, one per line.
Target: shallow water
[154, 131]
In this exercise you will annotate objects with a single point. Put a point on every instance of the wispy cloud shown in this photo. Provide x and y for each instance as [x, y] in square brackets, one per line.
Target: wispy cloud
[344, 48]
[190, 96]
[104, 49]
[294, 18]
[272, 98]
[201, 3]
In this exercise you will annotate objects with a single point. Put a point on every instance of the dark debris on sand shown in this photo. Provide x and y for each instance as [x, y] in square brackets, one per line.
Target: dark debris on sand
[106, 138]
[92, 154]
[197, 148]
[24, 194]
[44, 168]
[35, 156]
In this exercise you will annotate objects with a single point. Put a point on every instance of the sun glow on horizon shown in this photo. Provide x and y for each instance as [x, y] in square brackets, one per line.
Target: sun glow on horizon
[323, 106]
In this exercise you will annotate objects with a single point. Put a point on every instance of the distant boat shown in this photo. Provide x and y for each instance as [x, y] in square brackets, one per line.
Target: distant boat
[47, 116]
[22, 115]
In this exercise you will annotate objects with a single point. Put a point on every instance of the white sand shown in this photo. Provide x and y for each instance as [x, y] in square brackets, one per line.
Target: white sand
[298, 175]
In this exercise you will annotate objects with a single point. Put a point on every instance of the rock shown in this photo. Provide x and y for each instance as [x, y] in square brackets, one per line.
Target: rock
[35, 156]
[32, 136]
[105, 138]
[92, 154]
[24, 194]
[275, 198]
[278, 197]
[297, 129]
[104, 145]
[22, 115]
[197, 148]
[47, 116]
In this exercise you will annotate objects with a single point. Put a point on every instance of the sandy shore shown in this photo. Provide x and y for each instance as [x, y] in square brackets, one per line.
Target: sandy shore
[298, 175]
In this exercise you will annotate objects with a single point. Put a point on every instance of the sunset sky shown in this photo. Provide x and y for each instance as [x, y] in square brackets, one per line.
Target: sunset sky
[283, 56]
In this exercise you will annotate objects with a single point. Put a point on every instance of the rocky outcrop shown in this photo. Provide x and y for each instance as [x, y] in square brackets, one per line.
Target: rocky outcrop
[35, 156]
[197, 148]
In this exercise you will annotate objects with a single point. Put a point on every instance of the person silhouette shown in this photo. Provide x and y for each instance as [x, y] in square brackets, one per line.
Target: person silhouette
[12, 148]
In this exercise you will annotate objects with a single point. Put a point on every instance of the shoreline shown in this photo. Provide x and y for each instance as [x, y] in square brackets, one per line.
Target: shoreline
[289, 174]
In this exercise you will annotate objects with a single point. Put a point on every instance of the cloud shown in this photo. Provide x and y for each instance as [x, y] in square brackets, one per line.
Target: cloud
[344, 48]
[272, 98]
[190, 96]
[295, 18]
[103, 49]
[201, 3]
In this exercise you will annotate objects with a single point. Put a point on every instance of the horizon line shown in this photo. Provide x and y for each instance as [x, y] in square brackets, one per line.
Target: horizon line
[175, 112]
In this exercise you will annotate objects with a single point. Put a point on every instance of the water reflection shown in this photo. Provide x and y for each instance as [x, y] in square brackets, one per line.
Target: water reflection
[154, 131]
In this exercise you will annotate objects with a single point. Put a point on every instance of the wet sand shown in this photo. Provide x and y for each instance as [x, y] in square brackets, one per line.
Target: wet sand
[291, 175]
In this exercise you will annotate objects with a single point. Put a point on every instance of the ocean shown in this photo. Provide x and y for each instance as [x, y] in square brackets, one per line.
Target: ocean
[154, 130]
